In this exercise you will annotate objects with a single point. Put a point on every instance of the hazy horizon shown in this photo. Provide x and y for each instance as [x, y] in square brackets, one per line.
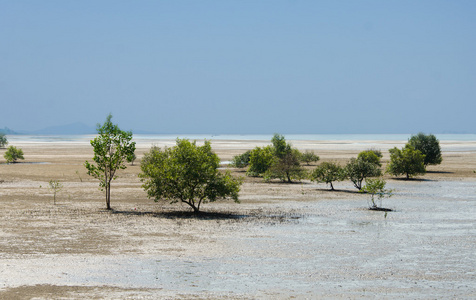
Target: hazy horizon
[263, 135]
[64, 130]
[240, 67]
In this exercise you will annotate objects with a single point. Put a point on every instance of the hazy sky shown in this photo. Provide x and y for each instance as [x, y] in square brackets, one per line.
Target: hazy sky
[240, 66]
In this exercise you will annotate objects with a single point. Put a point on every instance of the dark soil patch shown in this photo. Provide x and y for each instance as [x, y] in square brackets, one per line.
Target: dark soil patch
[380, 209]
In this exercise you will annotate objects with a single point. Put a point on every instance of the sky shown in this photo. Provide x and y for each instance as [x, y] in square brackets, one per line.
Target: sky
[240, 67]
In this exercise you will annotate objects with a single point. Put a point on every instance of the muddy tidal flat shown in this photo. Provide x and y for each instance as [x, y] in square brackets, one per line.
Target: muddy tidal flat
[282, 241]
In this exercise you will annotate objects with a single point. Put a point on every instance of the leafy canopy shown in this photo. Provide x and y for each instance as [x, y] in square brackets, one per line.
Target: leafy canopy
[407, 161]
[261, 159]
[328, 172]
[242, 160]
[279, 160]
[3, 140]
[280, 146]
[309, 157]
[359, 168]
[13, 154]
[286, 168]
[286, 164]
[370, 156]
[429, 146]
[187, 173]
[112, 148]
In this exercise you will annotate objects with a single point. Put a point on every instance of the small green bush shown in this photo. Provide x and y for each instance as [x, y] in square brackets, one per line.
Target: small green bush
[242, 160]
[407, 161]
[359, 168]
[328, 172]
[286, 168]
[370, 156]
[3, 140]
[261, 160]
[13, 154]
[309, 157]
[429, 146]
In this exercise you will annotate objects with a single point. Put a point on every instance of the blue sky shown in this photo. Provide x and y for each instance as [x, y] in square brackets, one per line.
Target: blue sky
[240, 66]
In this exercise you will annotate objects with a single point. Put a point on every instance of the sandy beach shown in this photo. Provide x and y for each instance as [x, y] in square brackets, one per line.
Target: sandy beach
[282, 241]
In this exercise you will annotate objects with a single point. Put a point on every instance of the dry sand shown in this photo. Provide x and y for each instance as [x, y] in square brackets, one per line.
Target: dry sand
[282, 241]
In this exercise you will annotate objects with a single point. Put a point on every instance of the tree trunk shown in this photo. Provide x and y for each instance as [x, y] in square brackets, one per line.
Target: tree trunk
[198, 206]
[196, 209]
[108, 195]
[332, 187]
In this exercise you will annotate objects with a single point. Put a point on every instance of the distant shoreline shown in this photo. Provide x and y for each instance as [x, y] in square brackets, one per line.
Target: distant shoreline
[241, 143]
[243, 137]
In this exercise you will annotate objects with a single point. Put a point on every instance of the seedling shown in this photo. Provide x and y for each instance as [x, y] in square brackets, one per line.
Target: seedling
[79, 175]
[377, 191]
[55, 186]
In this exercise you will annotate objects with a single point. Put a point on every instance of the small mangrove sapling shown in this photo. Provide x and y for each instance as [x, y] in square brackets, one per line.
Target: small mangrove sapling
[377, 191]
[55, 186]
[79, 175]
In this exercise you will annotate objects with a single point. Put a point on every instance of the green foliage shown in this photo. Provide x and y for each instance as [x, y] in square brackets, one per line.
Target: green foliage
[242, 160]
[13, 154]
[277, 161]
[3, 140]
[280, 147]
[286, 168]
[308, 157]
[370, 156]
[187, 173]
[131, 158]
[112, 148]
[429, 146]
[367, 164]
[55, 186]
[376, 152]
[408, 161]
[376, 188]
[359, 168]
[328, 172]
[261, 159]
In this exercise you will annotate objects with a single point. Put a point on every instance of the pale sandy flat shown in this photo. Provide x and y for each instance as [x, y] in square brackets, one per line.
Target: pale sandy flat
[283, 240]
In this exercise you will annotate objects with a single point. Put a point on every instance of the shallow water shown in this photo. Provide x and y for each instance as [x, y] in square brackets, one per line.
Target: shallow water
[424, 249]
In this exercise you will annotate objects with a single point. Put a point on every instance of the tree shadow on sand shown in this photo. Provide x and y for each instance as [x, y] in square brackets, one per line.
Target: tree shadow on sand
[340, 191]
[380, 209]
[284, 183]
[412, 179]
[183, 214]
[439, 172]
[271, 217]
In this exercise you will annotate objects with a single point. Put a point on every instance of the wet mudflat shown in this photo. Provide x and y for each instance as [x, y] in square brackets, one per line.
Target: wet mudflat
[331, 248]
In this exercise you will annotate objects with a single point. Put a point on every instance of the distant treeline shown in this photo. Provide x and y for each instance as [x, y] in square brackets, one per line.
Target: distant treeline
[7, 130]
